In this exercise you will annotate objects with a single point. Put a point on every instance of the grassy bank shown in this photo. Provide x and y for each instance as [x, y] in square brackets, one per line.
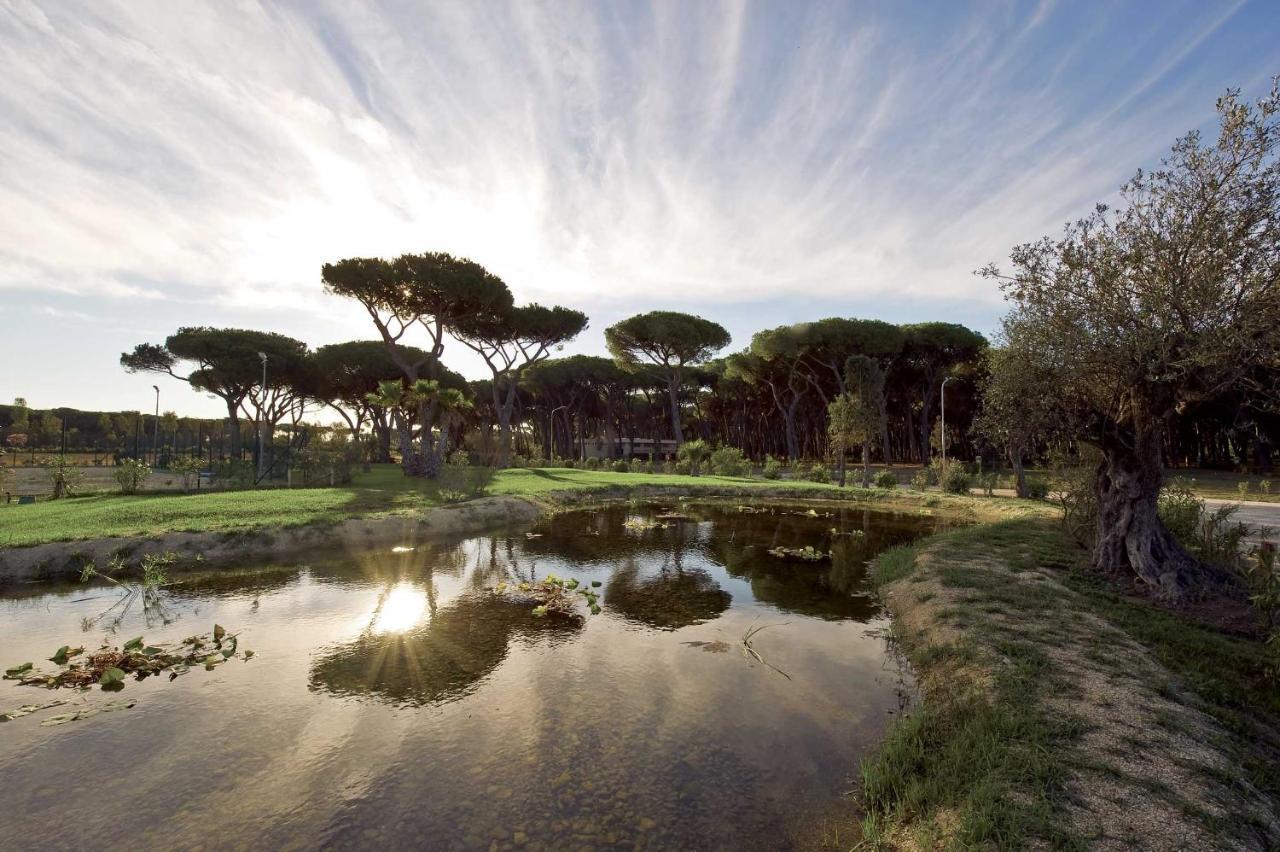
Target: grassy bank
[1058, 712]
[382, 491]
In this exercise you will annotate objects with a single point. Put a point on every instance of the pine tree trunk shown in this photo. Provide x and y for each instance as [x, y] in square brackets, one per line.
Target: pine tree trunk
[1019, 472]
[1132, 540]
[866, 464]
[674, 393]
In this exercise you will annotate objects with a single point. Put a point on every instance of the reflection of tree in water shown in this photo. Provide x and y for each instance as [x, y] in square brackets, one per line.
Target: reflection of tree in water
[830, 590]
[439, 661]
[673, 597]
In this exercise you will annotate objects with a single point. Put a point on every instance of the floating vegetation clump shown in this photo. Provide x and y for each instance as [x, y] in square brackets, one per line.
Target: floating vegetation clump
[638, 524]
[108, 666]
[850, 533]
[553, 595]
[808, 553]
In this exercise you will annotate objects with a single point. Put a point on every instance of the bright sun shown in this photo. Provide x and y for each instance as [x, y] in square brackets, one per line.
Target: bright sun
[401, 609]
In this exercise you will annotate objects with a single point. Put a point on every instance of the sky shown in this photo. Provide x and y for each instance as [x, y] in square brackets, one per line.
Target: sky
[172, 164]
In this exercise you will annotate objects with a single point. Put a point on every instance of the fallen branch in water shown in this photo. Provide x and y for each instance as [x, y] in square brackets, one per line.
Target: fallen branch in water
[746, 641]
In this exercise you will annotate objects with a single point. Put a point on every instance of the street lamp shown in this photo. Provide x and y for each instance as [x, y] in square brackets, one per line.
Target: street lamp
[261, 398]
[551, 421]
[155, 432]
[943, 392]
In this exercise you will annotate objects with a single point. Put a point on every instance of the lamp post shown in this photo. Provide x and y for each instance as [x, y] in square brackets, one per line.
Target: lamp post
[943, 392]
[155, 432]
[262, 459]
[551, 421]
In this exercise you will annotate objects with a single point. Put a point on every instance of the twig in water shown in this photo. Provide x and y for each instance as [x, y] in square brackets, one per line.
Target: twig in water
[746, 641]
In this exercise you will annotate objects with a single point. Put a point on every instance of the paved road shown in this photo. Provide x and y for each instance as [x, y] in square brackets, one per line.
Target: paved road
[1263, 519]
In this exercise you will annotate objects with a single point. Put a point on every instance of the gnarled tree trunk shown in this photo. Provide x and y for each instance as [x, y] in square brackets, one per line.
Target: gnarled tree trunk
[1131, 537]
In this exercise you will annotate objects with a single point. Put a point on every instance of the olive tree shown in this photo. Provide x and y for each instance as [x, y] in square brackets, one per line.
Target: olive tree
[1018, 408]
[666, 342]
[1138, 311]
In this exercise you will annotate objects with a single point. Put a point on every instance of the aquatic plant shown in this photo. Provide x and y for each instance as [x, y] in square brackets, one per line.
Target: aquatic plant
[808, 553]
[553, 595]
[108, 666]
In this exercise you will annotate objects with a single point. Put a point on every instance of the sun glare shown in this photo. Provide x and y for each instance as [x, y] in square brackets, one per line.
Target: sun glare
[400, 610]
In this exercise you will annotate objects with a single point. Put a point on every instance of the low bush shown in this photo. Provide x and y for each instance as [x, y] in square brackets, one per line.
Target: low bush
[1214, 537]
[921, 480]
[951, 476]
[684, 467]
[130, 474]
[592, 464]
[1037, 488]
[772, 468]
[988, 482]
[1265, 486]
[620, 466]
[818, 473]
[639, 465]
[886, 479]
[186, 467]
[695, 453]
[728, 461]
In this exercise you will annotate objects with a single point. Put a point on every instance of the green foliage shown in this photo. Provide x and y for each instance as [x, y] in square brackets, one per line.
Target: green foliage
[922, 479]
[621, 466]
[728, 461]
[593, 464]
[1264, 486]
[683, 467]
[951, 476]
[695, 453]
[130, 474]
[1077, 486]
[64, 476]
[886, 479]
[1243, 487]
[772, 468]
[812, 472]
[1037, 488]
[1213, 537]
[187, 467]
[639, 465]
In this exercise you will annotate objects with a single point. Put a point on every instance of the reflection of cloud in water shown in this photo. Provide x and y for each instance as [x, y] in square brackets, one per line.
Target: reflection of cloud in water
[440, 661]
[668, 599]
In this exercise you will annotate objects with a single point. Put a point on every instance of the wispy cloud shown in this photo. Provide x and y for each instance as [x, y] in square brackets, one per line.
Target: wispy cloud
[611, 156]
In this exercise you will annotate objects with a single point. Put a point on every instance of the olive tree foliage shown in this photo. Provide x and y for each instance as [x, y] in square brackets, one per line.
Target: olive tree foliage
[510, 341]
[421, 296]
[666, 342]
[222, 361]
[1136, 312]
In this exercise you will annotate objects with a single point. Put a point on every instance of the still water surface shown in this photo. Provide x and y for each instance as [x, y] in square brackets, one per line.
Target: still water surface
[394, 702]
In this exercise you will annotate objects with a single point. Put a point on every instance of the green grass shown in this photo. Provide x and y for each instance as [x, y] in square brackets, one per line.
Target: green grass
[984, 766]
[382, 491]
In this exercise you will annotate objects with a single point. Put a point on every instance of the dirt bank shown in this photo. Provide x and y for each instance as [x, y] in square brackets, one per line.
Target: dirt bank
[65, 559]
[1061, 713]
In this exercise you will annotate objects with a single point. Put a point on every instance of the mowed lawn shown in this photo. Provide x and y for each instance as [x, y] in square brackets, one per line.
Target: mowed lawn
[384, 490]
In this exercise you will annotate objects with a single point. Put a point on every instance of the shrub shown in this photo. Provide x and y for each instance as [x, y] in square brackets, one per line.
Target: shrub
[1214, 537]
[1077, 481]
[988, 482]
[886, 479]
[818, 473]
[1037, 488]
[620, 466]
[64, 477]
[638, 465]
[728, 461]
[684, 467]
[951, 476]
[921, 480]
[668, 466]
[772, 468]
[1243, 488]
[592, 464]
[695, 453]
[185, 466]
[458, 458]
[1264, 486]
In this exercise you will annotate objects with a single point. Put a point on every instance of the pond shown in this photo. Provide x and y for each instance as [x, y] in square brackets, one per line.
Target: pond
[394, 701]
